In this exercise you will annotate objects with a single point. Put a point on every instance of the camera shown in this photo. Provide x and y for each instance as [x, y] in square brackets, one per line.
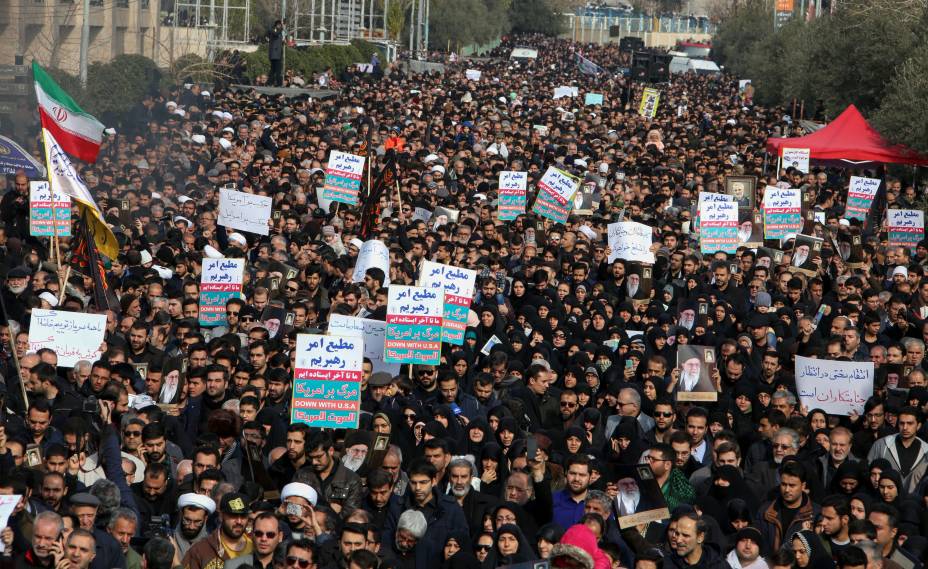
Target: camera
[90, 405]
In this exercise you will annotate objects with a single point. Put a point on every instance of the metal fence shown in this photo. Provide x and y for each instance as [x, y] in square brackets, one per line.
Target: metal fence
[632, 22]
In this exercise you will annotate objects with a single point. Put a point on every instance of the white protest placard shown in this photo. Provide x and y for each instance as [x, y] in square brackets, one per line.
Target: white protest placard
[8, 503]
[374, 333]
[473, 74]
[246, 212]
[797, 158]
[565, 91]
[458, 285]
[906, 227]
[835, 387]
[374, 254]
[74, 336]
[630, 241]
[860, 195]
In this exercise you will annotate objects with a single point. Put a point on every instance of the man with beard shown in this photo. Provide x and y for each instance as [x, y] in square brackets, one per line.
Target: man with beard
[474, 503]
[441, 512]
[689, 373]
[53, 490]
[340, 486]
[791, 510]
[836, 512]
[266, 534]
[297, 501]
[154, 497]
[191, 523]
[16, 291]
[568, 503]
[664, 416]
[746, 554]
[226, 543]
[379, 495]
[283, 469]
[632, 284]
[46, 546]
[155, 448]
[688, 549]
[357, 445]
[43, 384]
[839, 452]
[122, 525]
[763, 476]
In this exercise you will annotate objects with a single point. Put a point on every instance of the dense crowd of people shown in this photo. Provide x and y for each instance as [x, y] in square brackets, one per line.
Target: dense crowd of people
[538, 438]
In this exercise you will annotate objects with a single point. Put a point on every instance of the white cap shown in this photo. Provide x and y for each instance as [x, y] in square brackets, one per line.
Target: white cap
[580, 163]
[49, 298]
[431, 158]
[228, 129]
[238, 238]
[110, 131]
[205, 93]
[844, 222]
[142, 401]
[163, 272]
[171, 104]
[301, 490]
[184, 219]
[356, 242]
[227, 115]
[198, 138]
[217, 113]
[900, 270]
[225, 144]
[603, 167]
[146, 257]
[184, 199]
[155, 196]
[212, 252]
[438, 168]
[180, 112]
[585, 229]
[197, 501]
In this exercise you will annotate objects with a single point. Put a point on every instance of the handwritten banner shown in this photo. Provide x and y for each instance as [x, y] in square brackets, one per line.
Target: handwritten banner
[246, 212]
[782, 212]
[374, 333]
[630, 241]
[512, 190]
[592, 99]
[458, 285]
[48, 217]
[718, 223]
[220, 281]
[373, 255]
[473, 74]
[860, 195]
[650, 99]
[556, 190]
[343, 175]
[797, 158]
[836, 387]
[74, 336]
[414, 316]
[327, 381]
[906, 227]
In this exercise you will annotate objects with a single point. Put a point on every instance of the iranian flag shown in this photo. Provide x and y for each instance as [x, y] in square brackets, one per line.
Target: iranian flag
[78, 133]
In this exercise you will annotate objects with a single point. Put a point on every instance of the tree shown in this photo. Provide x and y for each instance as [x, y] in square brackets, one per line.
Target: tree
[901, 117]
[396, 19]
[535, 16]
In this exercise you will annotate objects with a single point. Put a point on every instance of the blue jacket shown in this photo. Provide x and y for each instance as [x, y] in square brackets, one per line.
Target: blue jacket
[446, 515]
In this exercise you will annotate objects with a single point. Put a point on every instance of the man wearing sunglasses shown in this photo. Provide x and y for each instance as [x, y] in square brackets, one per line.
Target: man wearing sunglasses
[266, 535]
[301, 554]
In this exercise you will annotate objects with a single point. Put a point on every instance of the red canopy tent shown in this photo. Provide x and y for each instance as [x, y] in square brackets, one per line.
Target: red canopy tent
[850, 139]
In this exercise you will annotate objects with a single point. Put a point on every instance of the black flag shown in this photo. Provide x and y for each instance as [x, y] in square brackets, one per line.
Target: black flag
[384, 181]
[86, 260]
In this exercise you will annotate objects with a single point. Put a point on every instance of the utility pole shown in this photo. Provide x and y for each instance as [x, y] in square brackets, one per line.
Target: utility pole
[428, 4]
[85, 42]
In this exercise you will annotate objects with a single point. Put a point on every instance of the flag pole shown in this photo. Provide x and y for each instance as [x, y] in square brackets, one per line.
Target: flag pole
[19, 370]
[51, 190]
